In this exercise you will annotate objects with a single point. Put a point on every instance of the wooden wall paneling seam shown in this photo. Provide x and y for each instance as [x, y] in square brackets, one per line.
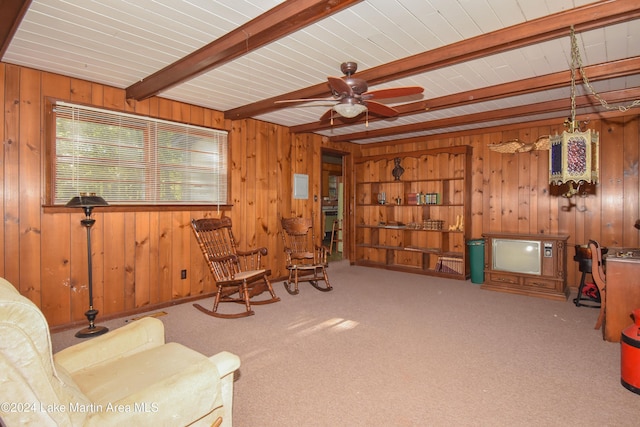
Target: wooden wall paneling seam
[113, 260]
[477, 185]
[524, 186]
[30, 148]
[277, 136]
[80, 91]
[154, 272]
[180, 255]
[165, 237]
[265, 224]
[198, 269]
[3, 135]
[11, 178]
[612, 181]
[3, 138]
[142, 259]
[494, 192]
[315, 192]
[247, 237]
[631, 182]
[510, 193]
[285, 168]
[129, 266]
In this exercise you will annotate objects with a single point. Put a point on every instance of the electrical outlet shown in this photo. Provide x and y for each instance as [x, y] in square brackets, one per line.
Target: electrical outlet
[183, 274]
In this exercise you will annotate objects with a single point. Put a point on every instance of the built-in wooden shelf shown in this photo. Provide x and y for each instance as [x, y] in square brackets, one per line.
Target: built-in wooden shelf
[407, 232]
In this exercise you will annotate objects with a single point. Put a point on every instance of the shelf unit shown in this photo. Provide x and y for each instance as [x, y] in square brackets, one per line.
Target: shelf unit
[403, 235]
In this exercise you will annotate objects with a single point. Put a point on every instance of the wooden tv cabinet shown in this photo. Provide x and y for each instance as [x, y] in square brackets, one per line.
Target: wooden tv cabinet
[550, 284]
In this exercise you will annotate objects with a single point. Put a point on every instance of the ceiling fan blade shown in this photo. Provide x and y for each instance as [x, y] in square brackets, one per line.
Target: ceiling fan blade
[284, 101]
[393, 92]
[381, 109]
[339, 87]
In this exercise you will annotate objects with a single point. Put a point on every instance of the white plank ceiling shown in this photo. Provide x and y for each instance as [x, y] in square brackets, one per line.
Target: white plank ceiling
[121, 42]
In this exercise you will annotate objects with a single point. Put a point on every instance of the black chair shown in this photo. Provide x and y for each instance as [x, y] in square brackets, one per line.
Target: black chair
[584, 260]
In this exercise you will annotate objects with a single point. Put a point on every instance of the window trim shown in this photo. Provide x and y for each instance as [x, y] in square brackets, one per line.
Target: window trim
[49, 171]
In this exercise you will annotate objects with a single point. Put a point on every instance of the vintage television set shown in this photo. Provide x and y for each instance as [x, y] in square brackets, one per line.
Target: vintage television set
[529, 264]
[516, 256]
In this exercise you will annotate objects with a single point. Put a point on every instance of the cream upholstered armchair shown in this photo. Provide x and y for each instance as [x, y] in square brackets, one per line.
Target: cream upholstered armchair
[128, 376]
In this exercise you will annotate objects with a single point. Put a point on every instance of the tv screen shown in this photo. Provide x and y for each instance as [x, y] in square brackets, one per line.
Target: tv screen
[517, 256]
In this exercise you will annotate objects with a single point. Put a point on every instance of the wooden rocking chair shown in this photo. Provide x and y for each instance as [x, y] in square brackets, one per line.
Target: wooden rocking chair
[304, 256]
[235, 272]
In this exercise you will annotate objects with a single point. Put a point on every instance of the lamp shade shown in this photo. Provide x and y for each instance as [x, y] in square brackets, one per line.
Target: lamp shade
[349, 108]
[86, 201]
[574, 157]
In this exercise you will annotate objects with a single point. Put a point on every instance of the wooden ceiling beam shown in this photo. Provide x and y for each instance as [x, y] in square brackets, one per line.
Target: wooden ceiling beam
[539, 30]
[12, 13]
[624, 95]
[609, 70]
[284, 19]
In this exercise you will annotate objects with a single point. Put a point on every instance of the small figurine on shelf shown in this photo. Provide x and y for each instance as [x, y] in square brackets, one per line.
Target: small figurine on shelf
[397, 170]
[459, 224]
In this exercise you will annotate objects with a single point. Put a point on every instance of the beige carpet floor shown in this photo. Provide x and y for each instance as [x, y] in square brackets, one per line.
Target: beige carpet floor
[394, 349]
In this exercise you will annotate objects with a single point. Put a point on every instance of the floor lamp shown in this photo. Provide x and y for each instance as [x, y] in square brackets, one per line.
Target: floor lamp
[88, 202]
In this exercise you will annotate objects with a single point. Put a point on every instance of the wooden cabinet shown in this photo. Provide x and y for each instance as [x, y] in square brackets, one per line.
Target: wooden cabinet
[527, 264]
[622, 290]
[419, 222]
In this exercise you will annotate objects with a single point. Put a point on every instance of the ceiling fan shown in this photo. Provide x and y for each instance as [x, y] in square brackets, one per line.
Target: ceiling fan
[353, 98]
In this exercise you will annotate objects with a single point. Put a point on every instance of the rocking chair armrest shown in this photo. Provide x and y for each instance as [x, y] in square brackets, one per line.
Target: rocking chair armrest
[323, 253]
[224, 258]
[322, 249]
[261, 251]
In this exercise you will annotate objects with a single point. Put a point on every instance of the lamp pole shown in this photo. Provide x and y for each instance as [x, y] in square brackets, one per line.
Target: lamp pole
[92, 329]
[87, 203]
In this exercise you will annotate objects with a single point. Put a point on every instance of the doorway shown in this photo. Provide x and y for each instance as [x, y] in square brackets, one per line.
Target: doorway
[332, 191]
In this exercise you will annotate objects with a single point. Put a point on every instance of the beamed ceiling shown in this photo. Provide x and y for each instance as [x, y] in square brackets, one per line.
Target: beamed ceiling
[482, 63]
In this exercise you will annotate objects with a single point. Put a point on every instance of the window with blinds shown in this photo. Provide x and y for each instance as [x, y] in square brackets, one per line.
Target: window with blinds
[130, 159]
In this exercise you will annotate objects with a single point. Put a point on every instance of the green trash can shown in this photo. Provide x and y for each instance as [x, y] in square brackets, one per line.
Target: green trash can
[476, 260]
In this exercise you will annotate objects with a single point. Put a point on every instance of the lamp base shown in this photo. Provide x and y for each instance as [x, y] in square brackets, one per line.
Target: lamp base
[91, 331]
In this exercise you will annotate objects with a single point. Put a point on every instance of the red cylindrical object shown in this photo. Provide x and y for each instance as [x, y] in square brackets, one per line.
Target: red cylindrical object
[630, 355]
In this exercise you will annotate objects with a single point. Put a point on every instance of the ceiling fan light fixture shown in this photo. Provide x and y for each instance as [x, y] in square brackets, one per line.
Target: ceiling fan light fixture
[349, 108]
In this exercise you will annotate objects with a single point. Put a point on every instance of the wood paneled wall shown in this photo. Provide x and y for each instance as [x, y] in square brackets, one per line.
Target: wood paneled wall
[510, 192]
[138, 255]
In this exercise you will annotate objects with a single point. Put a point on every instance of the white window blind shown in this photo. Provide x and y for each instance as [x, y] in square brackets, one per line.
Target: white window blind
[130, 159]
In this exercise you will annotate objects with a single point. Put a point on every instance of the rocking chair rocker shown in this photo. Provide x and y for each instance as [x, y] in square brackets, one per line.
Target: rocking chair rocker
[304, 256]
[234, 271]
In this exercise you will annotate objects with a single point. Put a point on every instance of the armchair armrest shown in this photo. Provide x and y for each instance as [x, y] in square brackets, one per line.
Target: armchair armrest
[135, 337]
[226, 362]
